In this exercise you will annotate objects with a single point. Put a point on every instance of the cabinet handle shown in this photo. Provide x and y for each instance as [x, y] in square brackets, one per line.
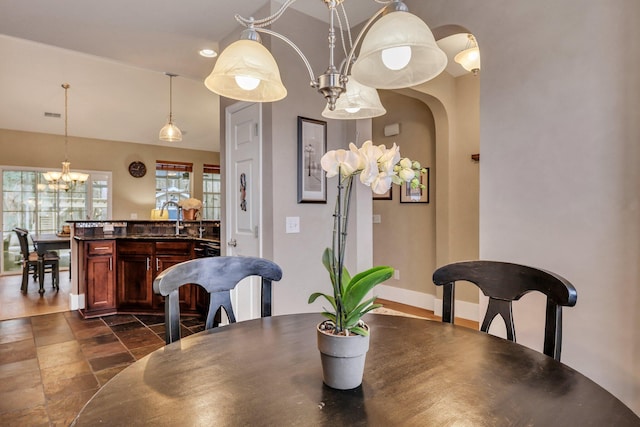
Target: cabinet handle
[101, 248]
[157, 264]
[148, 263]
[110, 263]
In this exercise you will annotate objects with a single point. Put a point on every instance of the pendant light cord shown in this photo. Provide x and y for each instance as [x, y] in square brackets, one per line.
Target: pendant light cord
[66, 87]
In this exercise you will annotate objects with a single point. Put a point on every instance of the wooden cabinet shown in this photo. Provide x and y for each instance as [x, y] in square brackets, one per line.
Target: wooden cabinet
[135, 275]
[139, 263]
[118, 275]
[98, 269]
[170, 253]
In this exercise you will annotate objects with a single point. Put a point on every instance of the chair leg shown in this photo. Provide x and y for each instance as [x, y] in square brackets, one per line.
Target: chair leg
[55, 272]
[25, 279]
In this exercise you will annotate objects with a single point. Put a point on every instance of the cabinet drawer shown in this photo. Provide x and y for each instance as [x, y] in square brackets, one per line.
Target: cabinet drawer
[136, 248]
[100, 248]
[173, 248]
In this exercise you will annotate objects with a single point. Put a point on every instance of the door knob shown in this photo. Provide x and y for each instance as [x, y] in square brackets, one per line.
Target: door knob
[233, 243]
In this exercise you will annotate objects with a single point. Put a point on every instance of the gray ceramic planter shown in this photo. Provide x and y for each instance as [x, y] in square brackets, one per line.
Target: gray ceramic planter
[342, 359]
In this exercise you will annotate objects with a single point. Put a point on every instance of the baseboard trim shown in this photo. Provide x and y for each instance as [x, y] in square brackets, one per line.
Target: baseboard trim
[76, 301]
[464, 309]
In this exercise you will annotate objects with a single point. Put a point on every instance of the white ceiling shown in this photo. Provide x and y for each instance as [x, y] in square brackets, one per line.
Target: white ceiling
[118, 87]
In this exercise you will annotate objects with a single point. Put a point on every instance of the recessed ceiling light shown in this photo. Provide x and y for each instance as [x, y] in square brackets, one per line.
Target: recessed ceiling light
[208, 53]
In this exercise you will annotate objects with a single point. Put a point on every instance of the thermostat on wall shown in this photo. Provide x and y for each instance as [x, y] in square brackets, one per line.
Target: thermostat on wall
[392, 129]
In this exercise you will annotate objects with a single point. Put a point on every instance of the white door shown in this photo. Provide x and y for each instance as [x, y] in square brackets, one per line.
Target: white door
[244, 198]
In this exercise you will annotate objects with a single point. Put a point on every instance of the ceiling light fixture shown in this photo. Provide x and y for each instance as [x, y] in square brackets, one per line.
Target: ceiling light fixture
[358, 102]
[65, 179]
[469, 58]
[208, 53]
[398, 50]
[170, 131]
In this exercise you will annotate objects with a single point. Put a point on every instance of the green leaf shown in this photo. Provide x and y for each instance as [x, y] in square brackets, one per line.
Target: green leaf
[362, 309]
[314, 296]
[362, 283]
[327, 257]
[359, 331]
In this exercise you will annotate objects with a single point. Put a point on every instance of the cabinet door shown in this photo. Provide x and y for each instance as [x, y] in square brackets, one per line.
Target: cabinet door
[186, 294]
[135, 281]
[100, 283]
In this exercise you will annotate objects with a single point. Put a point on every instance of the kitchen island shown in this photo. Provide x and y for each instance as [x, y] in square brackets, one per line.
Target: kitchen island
[115, 263]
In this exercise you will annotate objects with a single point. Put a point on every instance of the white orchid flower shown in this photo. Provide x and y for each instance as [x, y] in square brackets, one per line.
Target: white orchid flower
[389, 158]
[339, 160]
[369, 155]
[405, 170]
[381, 183]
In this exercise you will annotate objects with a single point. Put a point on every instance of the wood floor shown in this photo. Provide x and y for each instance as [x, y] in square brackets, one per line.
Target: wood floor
[14, 304]
[421, 312]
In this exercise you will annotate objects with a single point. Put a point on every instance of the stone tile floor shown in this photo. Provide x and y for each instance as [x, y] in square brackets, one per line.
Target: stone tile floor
[51, 365]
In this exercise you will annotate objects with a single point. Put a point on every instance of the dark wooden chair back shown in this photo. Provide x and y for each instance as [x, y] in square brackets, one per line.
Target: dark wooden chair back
[23, 239]
[503, 283]
[218, 275]
[30, 261]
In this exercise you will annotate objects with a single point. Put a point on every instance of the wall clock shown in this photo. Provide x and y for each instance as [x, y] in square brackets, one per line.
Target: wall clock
[137, 169]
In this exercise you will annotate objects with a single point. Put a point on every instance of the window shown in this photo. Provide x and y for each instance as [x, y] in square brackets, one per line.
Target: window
[212, 208]
[173, 183]
[28, 201]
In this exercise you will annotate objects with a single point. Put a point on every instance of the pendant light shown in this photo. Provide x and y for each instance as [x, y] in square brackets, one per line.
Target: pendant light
[358, 102]
[469, 58]
[170, 131]
[65, 179]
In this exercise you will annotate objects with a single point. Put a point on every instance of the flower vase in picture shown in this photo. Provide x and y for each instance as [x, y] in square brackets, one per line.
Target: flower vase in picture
[343, 339]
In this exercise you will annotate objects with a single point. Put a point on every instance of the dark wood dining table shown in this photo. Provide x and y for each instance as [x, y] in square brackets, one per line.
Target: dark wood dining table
[267, 372]
[45, 243]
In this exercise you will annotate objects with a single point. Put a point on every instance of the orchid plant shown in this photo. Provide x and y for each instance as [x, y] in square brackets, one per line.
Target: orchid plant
[378, 167]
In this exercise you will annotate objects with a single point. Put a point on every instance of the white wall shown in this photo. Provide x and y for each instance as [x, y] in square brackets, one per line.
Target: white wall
[559, 187]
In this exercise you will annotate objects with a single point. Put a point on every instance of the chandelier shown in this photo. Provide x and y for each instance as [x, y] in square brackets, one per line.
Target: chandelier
[65, 179]
[170, 132]
[398, 50]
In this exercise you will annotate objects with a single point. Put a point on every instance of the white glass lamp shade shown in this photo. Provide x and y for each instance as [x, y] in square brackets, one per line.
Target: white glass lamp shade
[469, 59]
[170, 133]
[357, 102]
[246, 71]
[398, 51]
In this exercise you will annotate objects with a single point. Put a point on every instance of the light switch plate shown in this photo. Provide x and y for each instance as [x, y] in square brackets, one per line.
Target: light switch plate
[292, 224]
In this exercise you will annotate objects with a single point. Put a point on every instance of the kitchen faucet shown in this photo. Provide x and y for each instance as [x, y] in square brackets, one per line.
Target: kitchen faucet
[171, 202]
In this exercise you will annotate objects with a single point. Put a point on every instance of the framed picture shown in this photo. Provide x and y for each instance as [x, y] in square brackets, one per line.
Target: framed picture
[416, 195]
[386, 196]
[312, 144]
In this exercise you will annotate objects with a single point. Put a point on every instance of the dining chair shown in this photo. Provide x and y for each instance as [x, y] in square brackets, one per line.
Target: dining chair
[30, 262]
[217, 275]
[504, 283]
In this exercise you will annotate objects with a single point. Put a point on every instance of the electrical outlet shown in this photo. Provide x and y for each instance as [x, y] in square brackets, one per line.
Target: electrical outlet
[377, 219]
[396, 274]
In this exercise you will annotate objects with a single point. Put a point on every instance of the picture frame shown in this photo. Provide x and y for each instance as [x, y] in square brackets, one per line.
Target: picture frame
[386, 196]
[312, 144]
[418, 195]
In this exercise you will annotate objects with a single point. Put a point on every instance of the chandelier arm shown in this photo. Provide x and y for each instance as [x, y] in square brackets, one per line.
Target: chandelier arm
[312, 76]
[263, 22]
[346, 21]
[344, 46]
[347, 64]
